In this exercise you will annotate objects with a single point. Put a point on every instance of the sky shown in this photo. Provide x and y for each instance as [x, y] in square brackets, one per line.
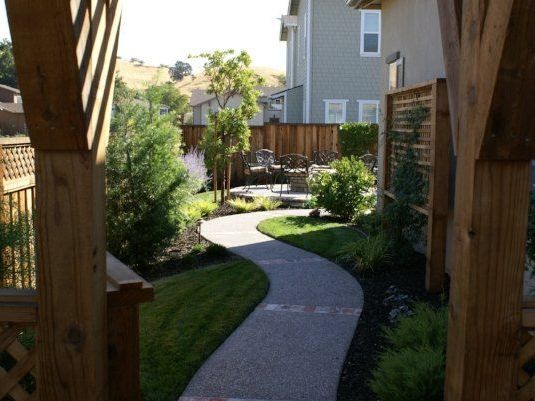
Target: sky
[171, 30]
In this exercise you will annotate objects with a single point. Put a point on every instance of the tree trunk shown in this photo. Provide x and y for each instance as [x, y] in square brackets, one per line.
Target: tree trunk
[223, 183]
[214, 184]
[229, 177]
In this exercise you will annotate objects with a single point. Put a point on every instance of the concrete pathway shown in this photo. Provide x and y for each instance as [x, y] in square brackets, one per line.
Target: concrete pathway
[293, 346]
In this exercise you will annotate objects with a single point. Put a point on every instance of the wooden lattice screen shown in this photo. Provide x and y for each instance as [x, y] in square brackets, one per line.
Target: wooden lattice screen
[17, 346]
[18, 189]
[526, 376]
[433, 149]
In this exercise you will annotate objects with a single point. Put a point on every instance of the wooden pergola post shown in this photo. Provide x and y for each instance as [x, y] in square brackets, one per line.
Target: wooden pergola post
[65, 53]
[491, 74]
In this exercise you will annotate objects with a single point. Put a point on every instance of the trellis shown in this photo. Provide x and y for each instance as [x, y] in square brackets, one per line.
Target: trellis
[432, 147]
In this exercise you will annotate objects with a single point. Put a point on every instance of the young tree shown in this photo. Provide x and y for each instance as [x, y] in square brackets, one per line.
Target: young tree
[180, 70]
[230, 76]
[8, 73]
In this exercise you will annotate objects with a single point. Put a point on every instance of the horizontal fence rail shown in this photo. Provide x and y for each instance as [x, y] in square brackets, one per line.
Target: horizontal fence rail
[282, 139]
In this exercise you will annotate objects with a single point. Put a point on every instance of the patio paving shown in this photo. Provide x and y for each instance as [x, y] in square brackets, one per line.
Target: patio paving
[297, 199]
[293, 346]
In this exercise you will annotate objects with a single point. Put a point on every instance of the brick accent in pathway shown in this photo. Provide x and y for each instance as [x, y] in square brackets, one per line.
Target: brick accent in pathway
[293, 346]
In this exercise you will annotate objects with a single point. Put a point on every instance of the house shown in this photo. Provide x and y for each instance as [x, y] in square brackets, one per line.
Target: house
[270, 110]
[12, 121]
[406, 58]
[333, 63]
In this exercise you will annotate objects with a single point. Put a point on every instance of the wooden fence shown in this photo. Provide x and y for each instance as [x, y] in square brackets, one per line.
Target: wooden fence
[280, 138]
[433, 149]
[18, 199]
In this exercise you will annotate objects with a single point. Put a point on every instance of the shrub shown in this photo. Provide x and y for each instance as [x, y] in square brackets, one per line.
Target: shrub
[266, 204]
[242, 206]
[346, 192]
[198, 249]
[368, 253]
[413, 368]
[358, 139]
[370, 223]
[146, 184]
[197, 171]
[216, 251]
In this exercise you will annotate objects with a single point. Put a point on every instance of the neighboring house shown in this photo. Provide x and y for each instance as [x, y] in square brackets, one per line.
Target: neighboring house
[270, 111]
[12, 121]
[333, 63]
[411, 44]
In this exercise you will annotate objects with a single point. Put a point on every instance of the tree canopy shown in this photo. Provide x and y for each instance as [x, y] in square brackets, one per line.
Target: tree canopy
[180, 70]
[170, 96]
[8, 72]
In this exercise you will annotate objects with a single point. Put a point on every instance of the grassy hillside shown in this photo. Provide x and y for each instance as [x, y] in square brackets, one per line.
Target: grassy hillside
[138, 77]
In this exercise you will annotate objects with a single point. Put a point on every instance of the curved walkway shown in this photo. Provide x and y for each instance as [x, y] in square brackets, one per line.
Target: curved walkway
[293, 346]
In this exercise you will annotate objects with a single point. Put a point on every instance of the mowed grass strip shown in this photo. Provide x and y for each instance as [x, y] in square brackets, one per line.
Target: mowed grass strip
[320, 236]
[191, 317]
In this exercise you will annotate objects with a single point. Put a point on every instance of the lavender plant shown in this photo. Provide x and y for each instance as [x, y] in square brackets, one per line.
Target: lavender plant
[196, 167]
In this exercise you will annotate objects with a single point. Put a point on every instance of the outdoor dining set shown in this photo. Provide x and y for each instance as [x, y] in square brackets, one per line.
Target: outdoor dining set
[291, 169]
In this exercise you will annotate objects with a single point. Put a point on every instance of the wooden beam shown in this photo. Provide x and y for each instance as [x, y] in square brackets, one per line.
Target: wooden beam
[65, 53]
[450, 15]
[491, 213]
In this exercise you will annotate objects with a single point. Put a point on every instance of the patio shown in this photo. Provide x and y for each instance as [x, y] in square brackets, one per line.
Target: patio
[292, 199]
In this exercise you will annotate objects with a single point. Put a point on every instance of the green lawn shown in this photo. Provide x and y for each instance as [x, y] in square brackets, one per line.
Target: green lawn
[205, 196]
[320, 236]
[192, 315]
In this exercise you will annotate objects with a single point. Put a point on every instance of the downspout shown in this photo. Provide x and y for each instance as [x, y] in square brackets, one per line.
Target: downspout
[291, 70]
[309, 62]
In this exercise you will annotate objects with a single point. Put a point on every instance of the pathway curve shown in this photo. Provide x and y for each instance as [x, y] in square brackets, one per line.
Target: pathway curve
[293, 346]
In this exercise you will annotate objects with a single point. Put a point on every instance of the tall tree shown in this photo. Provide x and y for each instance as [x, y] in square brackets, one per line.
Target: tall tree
[170, 96]
[180, 70]
[8, 73]
[230, 76]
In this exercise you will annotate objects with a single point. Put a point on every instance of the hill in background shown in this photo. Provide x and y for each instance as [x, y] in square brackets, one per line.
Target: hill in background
[140, 76]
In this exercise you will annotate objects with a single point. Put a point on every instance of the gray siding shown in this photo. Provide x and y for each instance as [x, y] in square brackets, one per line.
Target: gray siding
[197, 115]
[294, 105]
[300, 45]
[338, 70]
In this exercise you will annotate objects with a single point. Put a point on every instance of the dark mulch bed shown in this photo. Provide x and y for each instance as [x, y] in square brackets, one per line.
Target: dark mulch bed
[180, 256]
[368, 341]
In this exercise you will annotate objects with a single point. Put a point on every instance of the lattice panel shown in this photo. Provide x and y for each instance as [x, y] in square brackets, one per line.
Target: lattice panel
[17, 363]
[18, 161]
[526, 378]
[400, 104]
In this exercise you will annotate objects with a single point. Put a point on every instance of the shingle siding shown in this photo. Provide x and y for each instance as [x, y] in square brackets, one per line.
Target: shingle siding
[294, 105]
[337, 69]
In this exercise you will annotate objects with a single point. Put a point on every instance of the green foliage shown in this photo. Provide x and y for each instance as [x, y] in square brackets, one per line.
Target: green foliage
[409, 186]
[413, 367]
[198, 249]
[17, 240]
[198, 209]
[168, 95]
[358, 138]
[192, 315]
[241, 205]
[216, 251]
[180, 70]
[266, 204]
[367, 253]
[8, 72]
[370, 223]
[122, 93]
[146, 185]
[346, 192]
[228, 131]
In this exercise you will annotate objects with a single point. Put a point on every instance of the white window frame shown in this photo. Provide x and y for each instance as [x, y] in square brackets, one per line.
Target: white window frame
[363, 53]
[343, 102]
[361, 107]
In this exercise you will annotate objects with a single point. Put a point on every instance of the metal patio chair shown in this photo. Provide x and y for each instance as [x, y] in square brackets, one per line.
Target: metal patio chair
[293, 165]
[253, 172]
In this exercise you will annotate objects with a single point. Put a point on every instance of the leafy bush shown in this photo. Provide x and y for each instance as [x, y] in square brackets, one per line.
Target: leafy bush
[370, 223]
[197, 171]
[216, 251]
[413, 368]
[197, 210]
[346, 192]
[242, 206]
[17, 238]
[266, 204]
[146, 184]
[368, 253]
[358, 139]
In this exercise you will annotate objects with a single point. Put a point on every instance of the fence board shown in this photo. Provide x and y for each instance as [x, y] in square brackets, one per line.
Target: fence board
[280, 138]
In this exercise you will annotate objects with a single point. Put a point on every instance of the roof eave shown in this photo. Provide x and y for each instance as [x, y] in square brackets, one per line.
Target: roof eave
[363, 3]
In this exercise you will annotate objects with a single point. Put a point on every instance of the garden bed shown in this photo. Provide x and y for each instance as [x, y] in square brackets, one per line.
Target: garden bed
[324, 236]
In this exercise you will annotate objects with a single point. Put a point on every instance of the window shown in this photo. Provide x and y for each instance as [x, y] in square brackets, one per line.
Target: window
[335, 111]
[395, 73]
[369, 111]
[370, 33]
